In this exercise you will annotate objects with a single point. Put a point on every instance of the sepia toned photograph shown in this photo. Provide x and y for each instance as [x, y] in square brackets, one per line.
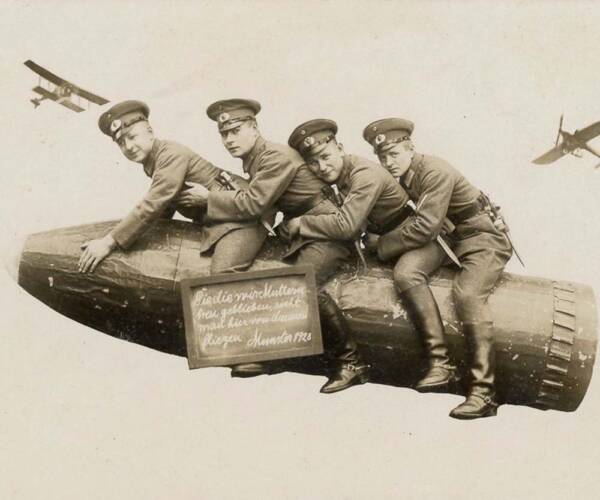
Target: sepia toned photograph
[300, 250]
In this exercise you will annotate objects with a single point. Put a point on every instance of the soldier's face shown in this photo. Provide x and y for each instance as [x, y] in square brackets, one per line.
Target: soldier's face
[136, 143]
[240, 140]
[397, 158]
[328, 164]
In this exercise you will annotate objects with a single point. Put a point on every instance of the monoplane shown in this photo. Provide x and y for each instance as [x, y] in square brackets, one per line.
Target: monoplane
[59, 90]
[573, 143]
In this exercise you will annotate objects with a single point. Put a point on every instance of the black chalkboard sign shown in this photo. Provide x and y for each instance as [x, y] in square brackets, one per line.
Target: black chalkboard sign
[252, 316]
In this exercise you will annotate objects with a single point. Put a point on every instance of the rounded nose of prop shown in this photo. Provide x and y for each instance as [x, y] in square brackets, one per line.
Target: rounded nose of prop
[11, 256]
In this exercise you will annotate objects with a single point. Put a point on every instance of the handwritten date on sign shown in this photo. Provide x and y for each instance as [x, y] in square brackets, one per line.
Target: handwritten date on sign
[252, 316]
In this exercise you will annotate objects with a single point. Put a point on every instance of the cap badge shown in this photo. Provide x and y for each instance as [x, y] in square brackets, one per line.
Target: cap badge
[115, 125]
[379, 139]
[309, 141]
[223, 117]
[303, 132]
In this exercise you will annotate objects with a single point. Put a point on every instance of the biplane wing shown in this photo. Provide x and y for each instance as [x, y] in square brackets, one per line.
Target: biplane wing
[56, 80]
[44, 73]
[64, 101]
[96, 99]
[588, 133]
[550, 156]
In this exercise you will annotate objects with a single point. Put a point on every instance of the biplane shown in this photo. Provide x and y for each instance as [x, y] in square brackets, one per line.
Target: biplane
[573, 143]
[61, 91]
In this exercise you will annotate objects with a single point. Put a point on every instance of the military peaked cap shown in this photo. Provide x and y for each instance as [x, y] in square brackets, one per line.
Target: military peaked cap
[115, 121]
[311, 137]
[229, 113]
[383, 134]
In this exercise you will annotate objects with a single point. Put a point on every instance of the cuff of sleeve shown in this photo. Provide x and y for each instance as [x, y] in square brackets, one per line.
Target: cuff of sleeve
[126, 232]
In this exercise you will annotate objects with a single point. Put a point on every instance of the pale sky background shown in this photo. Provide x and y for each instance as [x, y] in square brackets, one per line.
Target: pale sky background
[87, 416]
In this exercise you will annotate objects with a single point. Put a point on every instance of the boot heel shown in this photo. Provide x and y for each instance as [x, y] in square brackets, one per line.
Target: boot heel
[475, 406]
[438, 379]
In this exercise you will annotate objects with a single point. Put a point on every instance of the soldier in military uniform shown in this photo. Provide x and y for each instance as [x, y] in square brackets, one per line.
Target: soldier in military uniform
[368, 195]
[170, 166]
[280, 180]
[483, 249]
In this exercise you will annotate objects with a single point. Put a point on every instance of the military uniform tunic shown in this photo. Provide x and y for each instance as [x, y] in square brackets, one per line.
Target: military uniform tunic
[170, 165]
[271, 168]
[440, 191]
[280, 180]
[372, 199]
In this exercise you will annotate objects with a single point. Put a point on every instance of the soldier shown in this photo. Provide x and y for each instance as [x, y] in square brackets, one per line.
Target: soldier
[170, 165]
[440, 191]
[279, 180]
[368, 195]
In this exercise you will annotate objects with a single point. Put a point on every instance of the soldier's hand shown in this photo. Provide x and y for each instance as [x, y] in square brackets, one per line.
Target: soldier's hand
[291, 227]
[370, 242]
[282, 231]
[94, 251]
[500, 225]
[195, 196]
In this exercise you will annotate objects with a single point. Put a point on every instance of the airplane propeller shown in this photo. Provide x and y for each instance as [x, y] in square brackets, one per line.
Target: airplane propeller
[559, 130]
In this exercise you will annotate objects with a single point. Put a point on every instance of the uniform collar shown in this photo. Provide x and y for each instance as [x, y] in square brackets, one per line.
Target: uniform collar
[346, 167]
[259, 146]
[415, 164]
[150, 161]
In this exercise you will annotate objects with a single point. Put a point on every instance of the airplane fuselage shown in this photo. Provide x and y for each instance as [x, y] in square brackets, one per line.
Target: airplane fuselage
[571, 143]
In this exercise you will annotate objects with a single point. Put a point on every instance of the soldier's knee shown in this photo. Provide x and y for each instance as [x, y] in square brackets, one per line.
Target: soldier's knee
[407, 278]
[464, 297]
[470, 305]
[221, 267]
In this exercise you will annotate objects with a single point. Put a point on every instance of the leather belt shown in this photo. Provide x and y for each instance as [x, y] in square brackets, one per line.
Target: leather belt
[475, 208]
[392, 223]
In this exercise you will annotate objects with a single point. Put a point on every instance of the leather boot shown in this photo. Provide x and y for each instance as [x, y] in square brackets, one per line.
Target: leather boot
[340, 344]
[481, 401]
[423, 311]
[247, 370]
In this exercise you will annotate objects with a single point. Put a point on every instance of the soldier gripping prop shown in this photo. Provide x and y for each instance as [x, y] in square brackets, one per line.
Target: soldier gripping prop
[170, 166]
[366, 196]
[481, 247]
[279, 180]
[333, 193]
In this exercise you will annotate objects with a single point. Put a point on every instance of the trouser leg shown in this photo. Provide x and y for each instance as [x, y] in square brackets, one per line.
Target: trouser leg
[326, 257]
[410, 278]
[339, 341]
[235, 252]
[340, 344]
[482, 356]
[423, 311]
[472, 287]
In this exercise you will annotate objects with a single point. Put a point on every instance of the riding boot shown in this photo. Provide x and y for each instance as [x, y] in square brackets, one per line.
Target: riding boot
[423, 311]
[481, 400]
[341, 347]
